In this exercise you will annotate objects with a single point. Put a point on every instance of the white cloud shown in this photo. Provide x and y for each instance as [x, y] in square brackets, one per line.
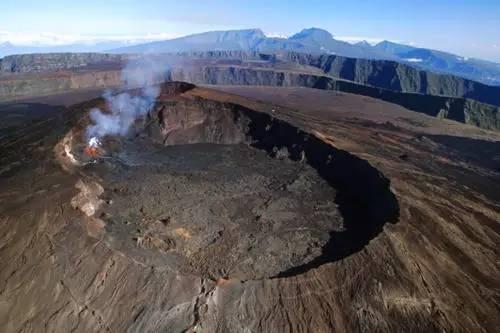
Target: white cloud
[370, 40]
[357, 39]
[53, 39]
[274, 35]
[413, 60]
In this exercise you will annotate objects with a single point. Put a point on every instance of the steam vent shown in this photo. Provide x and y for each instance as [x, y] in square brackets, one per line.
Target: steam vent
[208, 211]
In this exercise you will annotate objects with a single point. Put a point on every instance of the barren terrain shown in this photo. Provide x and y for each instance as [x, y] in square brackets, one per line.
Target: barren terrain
[249, 209]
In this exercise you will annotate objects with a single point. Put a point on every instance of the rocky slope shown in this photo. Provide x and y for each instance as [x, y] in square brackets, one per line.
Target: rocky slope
[157, 238]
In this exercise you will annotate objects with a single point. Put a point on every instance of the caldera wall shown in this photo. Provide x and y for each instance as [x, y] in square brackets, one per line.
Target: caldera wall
[458, 109]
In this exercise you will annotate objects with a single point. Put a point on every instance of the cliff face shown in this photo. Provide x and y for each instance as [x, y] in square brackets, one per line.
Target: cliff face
[39, 86]
[384, 74]
[378, 73]
[28, 63]
[397, 77]
[481, 115]
[459, 109]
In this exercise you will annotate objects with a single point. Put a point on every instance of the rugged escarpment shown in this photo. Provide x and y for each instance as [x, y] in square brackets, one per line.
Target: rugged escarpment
[24, 86]
[459, 109]
[383, 74]
[29, 63]
[395, 76]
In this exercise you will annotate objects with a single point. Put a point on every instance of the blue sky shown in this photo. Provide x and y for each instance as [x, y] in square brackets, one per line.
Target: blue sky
[465, 27]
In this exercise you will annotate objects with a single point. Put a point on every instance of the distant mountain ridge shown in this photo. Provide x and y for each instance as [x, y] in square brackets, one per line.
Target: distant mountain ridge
[384, 74]
[8, 48]
[443, 62]
[319, 41]
[313, 40]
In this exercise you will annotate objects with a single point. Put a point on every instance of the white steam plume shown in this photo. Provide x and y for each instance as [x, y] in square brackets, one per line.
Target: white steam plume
[125, 109]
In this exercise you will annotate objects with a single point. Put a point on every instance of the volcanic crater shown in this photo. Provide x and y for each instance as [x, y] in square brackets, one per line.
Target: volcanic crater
[222, 191]
[234, 209]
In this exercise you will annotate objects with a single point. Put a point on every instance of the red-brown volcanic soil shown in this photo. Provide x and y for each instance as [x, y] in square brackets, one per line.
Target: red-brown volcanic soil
[251, 210]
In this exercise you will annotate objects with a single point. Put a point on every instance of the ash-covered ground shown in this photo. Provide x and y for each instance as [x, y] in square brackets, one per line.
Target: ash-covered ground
[215, 211]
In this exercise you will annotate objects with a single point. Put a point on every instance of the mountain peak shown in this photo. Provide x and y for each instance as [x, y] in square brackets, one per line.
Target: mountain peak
[254, 31]
[363, 43]
[314, 33]
[242, 32]
[393, 48]
[385, 42]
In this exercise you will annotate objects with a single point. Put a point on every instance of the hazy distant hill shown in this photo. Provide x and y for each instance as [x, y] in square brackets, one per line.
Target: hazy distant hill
[213, 40]
[312, 41]
[308, 41]
[7, 48]
[438, 61]
[319, 41]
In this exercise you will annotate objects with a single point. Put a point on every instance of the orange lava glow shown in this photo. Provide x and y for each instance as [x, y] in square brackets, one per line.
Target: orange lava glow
[91, 151]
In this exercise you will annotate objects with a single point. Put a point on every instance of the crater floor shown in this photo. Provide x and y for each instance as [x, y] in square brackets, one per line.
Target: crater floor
[215, 210]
